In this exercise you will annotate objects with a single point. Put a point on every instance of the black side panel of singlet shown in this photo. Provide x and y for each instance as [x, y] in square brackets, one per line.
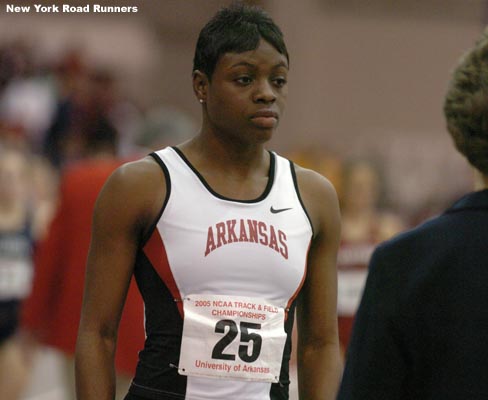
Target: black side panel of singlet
[157, 374]
[280, 391]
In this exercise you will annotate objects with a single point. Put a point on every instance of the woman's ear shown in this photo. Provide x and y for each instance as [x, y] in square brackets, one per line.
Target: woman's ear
[200, 85]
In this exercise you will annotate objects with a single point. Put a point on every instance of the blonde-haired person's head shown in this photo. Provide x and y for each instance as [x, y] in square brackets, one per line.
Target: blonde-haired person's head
[466, 105]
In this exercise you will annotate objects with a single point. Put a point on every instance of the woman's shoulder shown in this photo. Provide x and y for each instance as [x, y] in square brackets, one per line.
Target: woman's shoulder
[319, 199]
[311, 181]
[141, 174]
[135, 187]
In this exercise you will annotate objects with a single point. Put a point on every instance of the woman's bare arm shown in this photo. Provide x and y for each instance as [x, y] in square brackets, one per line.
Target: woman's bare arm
[319, 361]
[126, 207]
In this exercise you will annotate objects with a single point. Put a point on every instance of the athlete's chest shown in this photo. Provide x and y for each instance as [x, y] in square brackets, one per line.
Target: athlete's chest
[215, 245]
[236, 248]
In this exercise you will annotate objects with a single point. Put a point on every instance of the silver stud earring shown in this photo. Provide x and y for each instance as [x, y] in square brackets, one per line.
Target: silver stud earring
[201, 101]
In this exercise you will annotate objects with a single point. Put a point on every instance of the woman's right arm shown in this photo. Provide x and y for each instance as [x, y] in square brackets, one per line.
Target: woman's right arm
[125, 210]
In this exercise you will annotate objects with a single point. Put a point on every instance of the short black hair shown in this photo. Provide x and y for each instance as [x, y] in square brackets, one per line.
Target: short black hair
[235, 29]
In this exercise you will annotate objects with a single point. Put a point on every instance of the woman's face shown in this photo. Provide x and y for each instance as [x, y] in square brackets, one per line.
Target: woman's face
[247, 94]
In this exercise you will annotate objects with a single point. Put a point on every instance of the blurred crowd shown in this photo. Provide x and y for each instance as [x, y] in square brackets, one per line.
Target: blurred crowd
[64, 127]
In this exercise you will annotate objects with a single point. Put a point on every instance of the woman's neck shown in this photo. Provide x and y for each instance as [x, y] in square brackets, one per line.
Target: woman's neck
[227, 155]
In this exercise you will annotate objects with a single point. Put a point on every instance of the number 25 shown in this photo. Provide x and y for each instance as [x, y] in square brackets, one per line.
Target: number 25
[246, 337]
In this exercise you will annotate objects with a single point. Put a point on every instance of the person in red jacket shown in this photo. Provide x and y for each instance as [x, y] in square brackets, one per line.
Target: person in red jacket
[52, 312]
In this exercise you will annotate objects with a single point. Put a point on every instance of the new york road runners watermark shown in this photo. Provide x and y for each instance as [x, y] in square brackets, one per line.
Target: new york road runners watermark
[66, 8]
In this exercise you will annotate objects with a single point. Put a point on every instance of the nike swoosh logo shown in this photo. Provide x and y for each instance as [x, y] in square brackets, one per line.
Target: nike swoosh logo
[278, 210]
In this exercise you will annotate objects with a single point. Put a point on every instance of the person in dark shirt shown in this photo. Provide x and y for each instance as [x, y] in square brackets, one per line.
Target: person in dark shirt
[421, 329]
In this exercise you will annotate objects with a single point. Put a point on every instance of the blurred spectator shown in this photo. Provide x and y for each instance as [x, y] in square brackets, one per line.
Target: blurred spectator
[127, 119]
[13, 135]
[27, 93]
[63, 140]
[52, 312]
[422, 325]
[43, 194]
[72, 112]
[15, 61]
[86, 94]
[165, 126]
[365, 223]
[16, 242]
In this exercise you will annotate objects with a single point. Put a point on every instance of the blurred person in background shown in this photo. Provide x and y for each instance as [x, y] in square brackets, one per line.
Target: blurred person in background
[164, 126]
[365, 223]
[421, 330]
[86, 93]
[44, 193]
[13, 135]
[52, 312]
[63, 138]
[28, 95]
[16, 245]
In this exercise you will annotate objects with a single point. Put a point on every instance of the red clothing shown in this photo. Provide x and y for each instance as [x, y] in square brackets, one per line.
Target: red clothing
[53, 309]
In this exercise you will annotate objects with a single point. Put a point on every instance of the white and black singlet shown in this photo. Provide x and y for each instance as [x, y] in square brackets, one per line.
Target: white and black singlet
[219, 278]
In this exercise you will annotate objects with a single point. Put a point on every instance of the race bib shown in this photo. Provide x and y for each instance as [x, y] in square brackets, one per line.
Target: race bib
[232, 337]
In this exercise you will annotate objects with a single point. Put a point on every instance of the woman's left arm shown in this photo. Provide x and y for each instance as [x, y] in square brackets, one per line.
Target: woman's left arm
[318, 354]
